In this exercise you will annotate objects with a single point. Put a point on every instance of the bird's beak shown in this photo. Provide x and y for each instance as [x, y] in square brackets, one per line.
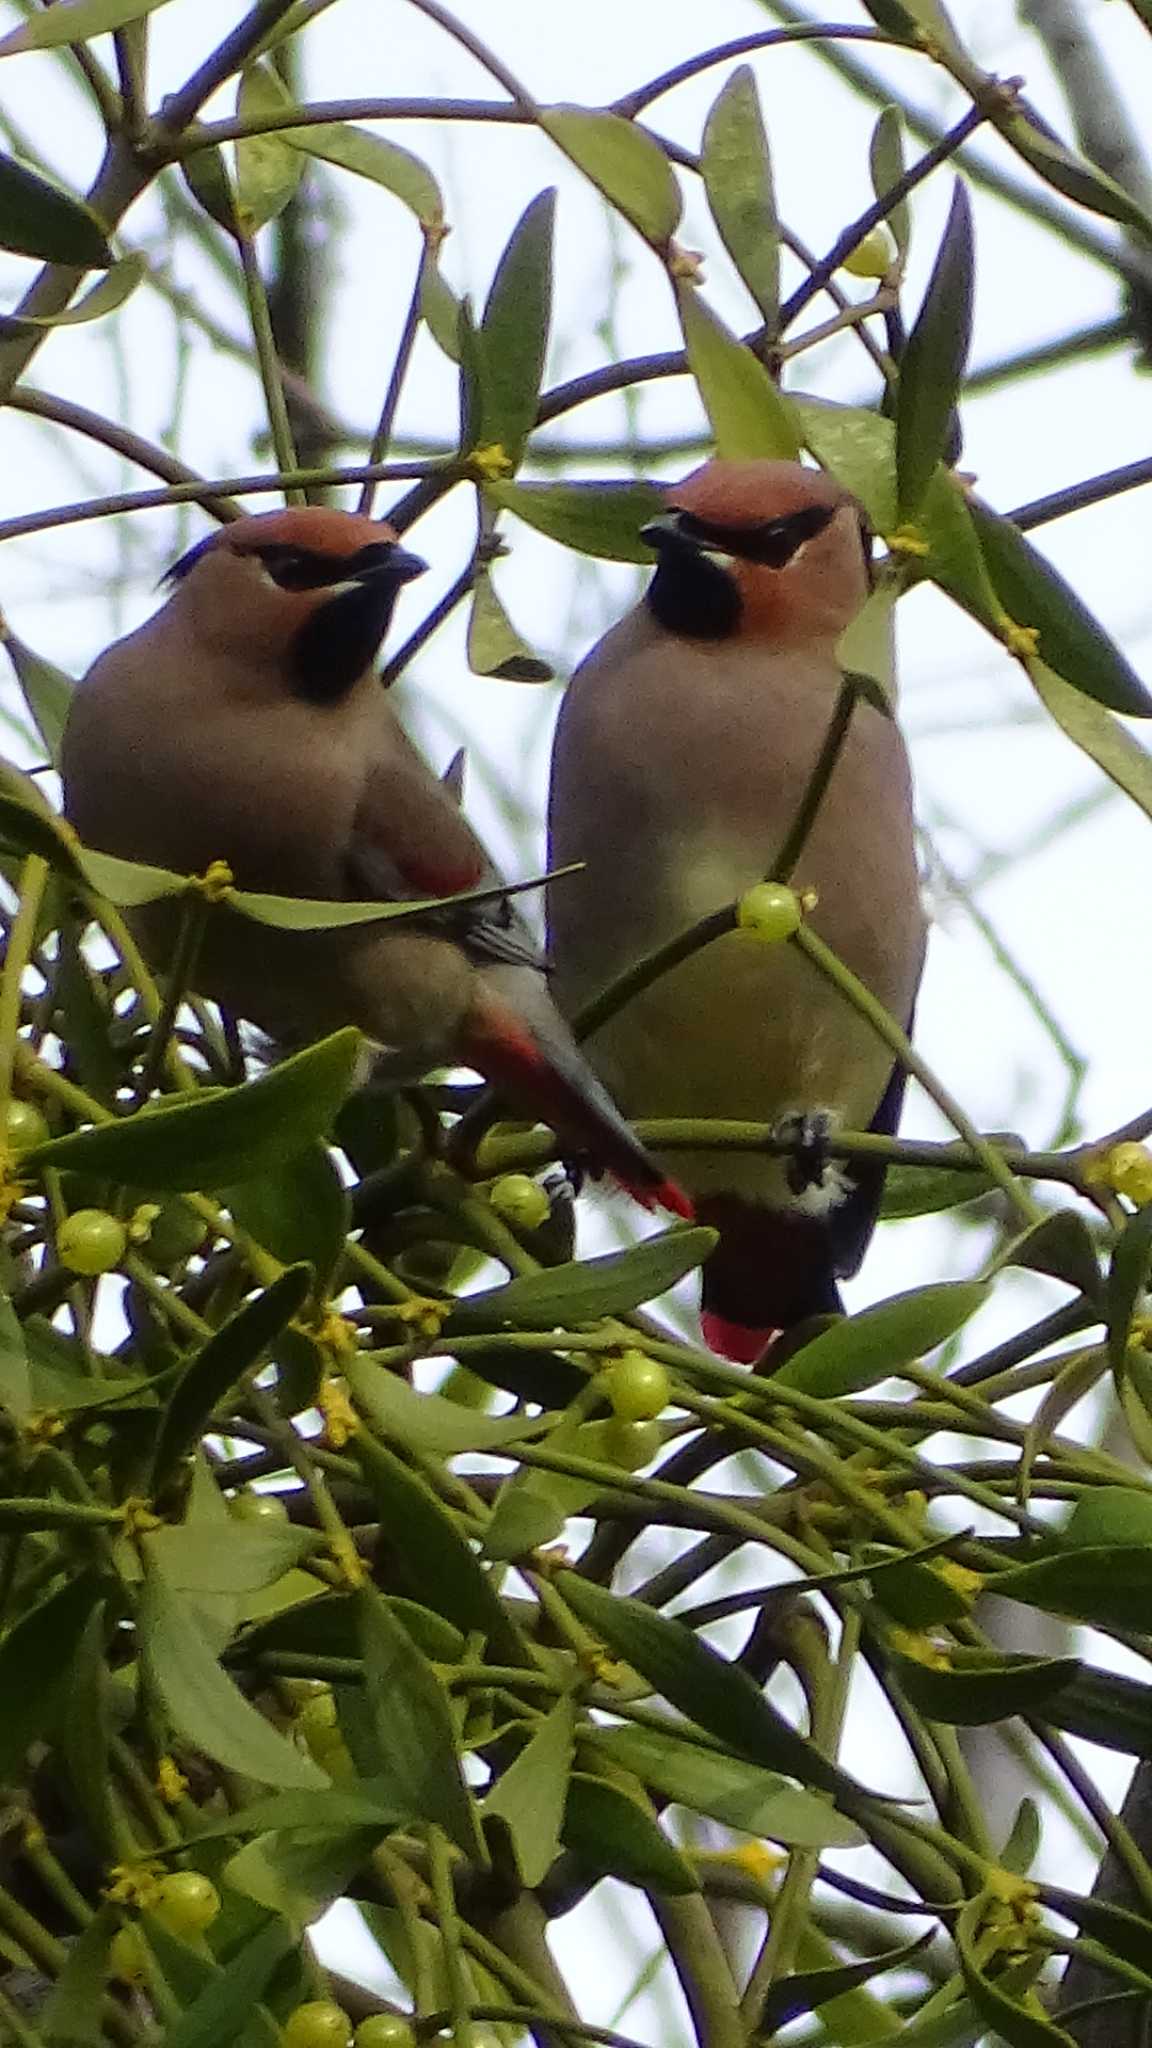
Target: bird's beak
[397, 566]
[665, 531]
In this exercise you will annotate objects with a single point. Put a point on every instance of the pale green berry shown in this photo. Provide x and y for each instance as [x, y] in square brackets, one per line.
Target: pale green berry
[770, 911]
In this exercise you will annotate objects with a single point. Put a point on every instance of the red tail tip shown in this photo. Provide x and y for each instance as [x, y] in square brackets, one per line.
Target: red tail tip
[736, 1341]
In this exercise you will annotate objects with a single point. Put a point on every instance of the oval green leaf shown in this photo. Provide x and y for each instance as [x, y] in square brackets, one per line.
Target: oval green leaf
[886, 163]
[211, 1140]
[1013, 2023]
[736, 167]
[494, 646]
[38, 218]
[1068, 174]
[739, 1794]
[268, 169]
[114, 287]
[748, 414]
[73, 22]
[991, 1690]
[626, 164]
[858, 448]
[862, 1349]
[932, 366]
[716, 1694]
[300, 1213]
[611, 1832]
[370, 156]
[601, 519]
[430, 1422]
[806, 1991]
[46, 689]
[1071, 641]
[584, 1291]
[1107, 1586]
[512, 338]
[415, 1735]
[203, 1705]
[227, 1355]
[529, 1796]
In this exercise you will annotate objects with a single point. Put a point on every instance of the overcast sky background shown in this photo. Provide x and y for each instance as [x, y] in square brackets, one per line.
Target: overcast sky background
[993, 779]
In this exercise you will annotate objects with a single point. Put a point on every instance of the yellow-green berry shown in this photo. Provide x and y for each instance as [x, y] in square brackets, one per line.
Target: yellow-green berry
[186, 1901]
[384, 2030]
[637, 1387]
[127, 1954]
[770, 911]
[247, 1506]
[318, 2024]
[874, 254]
[90, 1241]
[24, 1126]
[520, 1201]
[631, 1445]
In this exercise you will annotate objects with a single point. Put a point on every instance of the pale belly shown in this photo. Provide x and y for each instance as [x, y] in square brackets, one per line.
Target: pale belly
[745, 1031]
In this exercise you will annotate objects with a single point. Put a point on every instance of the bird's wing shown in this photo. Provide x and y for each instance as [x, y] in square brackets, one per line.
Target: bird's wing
[409, 839]
[851, 1225]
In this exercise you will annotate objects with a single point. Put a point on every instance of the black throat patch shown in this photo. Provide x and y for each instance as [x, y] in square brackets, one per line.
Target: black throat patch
[691, 594]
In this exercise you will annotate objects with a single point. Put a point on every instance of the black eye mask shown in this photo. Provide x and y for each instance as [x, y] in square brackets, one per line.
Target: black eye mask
[772, 544]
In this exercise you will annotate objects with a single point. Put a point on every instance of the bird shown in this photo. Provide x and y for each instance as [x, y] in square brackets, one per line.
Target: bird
[684, 746]
[245, 722]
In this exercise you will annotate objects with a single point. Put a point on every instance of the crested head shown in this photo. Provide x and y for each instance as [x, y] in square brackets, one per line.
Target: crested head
[760, 550]
[306, 592]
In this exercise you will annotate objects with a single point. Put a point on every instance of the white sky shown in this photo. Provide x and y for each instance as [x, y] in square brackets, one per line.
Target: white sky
[1073, 916]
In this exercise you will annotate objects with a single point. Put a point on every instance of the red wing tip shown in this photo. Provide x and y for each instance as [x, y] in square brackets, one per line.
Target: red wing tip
[737, 1341]
[666, 1194]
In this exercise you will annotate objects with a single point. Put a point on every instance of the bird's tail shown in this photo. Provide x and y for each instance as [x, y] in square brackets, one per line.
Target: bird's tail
[529, 1054]
[772, 1268]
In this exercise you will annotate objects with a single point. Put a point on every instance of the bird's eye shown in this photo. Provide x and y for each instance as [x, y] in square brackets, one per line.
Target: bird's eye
[296, 568]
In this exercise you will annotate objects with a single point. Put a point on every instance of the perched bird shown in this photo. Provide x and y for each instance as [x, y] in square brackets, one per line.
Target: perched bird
[684, 748]
[244, 722]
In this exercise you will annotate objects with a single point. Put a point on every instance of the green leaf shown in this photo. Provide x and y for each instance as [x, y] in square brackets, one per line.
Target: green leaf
[529, 1796]
[202, 1703]
[36, 1657]
[932, 366]
[300, 1213]
[748, 414]
[1071, 175]
[886, 162]
[1127, 1281]
[1103, 1707]
[70, 2012]
[436, 1563]
[1018, 2027]
[693, 1677]
[600, 519]
[955, 559]
[985, 1687]
[1059, 1244]
[15, 1379]
[858, 448]
[1022, 1845]
[46, 689]
[209, 180]
[301, 1877]
[909, 1591]
[226, 1356]
[370, 156]
[737, 171]
[624, 163]
[873, 1345]
[612, 1832]
[38, 218]
[212, 1139]
[1109, 1514]
[415, 1732]
[806, 1991]
[429, 1422]
[440, 308]
[927, 1190]
[530, 1512]
[225, 2007]
[739, 1794]
[1072, 642]
[228, 1556]
[512, 339]
[114, 287]
[1108, 1586]
[1097, 733]
[494, 646]
[582, 1292]
[1127, 1934]
[74, 22]
[268, 169]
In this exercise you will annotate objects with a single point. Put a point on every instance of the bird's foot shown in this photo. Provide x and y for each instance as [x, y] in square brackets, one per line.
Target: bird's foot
[808, 1132]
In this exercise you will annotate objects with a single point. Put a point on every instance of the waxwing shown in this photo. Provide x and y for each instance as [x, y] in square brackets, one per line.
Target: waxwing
[684, 748]
[245, 722]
